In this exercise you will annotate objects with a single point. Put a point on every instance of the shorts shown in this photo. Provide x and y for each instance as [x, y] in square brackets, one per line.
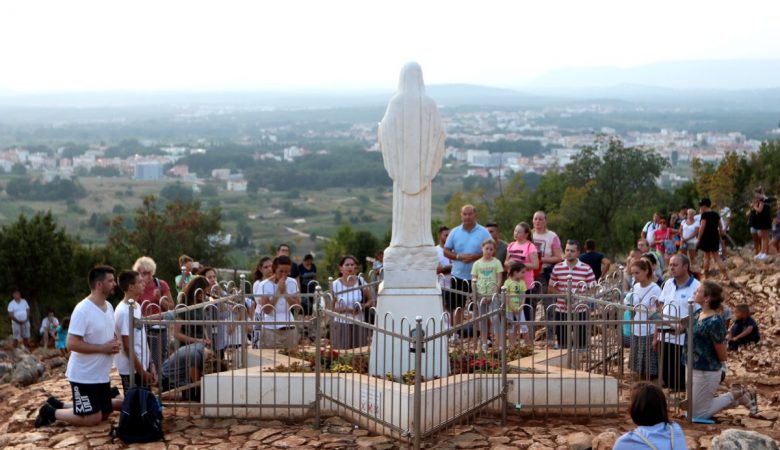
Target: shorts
[21, 331]
[91, 399]
[457, 300]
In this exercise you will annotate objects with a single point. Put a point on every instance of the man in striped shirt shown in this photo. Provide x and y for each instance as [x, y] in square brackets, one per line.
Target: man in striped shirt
[582, 280]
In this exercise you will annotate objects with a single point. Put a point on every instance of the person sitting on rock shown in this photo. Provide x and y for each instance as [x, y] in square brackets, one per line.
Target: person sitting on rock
[654, 430]
[48, 329]
[744, 330]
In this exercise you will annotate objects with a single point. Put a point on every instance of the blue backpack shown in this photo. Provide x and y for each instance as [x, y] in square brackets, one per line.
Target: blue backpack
[140, 419]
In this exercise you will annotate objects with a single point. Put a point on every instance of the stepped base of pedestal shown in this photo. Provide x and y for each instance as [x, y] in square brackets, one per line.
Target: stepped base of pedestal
[540, 386]
[397, 310]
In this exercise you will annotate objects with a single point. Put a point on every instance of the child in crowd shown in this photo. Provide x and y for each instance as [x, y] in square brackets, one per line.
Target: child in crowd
[744, 330]
[515, 288]
[486, 274]
[62, 336]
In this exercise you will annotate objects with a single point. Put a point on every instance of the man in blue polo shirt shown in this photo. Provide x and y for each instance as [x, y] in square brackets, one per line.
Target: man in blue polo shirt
[676, 293]
[463, 247]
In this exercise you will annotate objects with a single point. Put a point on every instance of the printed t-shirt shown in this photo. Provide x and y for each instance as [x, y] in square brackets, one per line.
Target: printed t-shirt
[487, 273]
[514, 291]
[522, 253]
[546, 243]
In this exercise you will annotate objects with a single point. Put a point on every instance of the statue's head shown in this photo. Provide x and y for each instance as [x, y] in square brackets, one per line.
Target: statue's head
[411, 81]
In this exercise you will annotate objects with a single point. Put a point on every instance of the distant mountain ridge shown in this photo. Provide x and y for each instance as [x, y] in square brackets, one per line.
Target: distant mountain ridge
[733, 74]
[446, 95]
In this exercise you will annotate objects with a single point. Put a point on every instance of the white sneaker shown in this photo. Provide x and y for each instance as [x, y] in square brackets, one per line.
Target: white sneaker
[761, 256]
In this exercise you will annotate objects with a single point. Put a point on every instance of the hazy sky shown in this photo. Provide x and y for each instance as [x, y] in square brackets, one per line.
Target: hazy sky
[163, 44]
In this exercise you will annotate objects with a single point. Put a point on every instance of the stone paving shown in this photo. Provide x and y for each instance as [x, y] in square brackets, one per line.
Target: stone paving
[18, 407]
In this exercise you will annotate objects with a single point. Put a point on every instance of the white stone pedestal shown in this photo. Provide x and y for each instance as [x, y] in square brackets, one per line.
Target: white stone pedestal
[396, 312]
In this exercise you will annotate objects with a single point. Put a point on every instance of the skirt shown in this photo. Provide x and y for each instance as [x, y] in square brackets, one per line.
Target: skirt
[643, 358]
[347, 335]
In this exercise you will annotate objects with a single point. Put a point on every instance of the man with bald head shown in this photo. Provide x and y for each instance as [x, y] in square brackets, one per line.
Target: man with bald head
[463, 247]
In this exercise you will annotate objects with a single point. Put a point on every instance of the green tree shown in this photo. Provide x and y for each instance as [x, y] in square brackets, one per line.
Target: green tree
[42, 261]
[19, 169]
[176, 191]
[57, 189]
[165, 233]
[107, 172]
[613, 182]
[346, 241]
[513, 206]
[477, 198]
[765, 167]
[243, 232]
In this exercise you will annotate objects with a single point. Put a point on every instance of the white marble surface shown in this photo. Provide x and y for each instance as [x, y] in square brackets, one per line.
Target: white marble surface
[411, 137]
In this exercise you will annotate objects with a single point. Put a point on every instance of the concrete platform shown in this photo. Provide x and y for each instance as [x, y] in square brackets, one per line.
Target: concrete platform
[538, 385]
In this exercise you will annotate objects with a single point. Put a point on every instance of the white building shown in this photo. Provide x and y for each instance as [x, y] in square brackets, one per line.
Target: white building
[236, 185]
[148, 170]
[290, 153]
[220, 174]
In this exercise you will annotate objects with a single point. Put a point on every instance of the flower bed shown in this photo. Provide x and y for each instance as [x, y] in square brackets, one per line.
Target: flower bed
[462, 361]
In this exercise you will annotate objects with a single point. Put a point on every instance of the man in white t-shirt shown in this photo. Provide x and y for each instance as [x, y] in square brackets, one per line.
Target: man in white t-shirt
[145, 374]
[277, 295]
[19, 313]
[93, 343]
[648, 231]
[675, 294]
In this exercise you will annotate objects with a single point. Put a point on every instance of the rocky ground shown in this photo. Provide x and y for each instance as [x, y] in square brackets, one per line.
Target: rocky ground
[758, 284]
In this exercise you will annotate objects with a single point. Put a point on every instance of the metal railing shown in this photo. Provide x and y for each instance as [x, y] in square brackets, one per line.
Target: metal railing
[568, 358]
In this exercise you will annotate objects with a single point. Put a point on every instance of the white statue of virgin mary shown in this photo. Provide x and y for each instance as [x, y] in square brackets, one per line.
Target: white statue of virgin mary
[411, 138]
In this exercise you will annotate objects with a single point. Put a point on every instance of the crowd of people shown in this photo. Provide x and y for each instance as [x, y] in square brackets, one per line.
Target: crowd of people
[473, 263]
[538, 261]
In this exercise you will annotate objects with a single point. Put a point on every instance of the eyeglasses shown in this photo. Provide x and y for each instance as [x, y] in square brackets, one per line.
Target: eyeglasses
[145, 272]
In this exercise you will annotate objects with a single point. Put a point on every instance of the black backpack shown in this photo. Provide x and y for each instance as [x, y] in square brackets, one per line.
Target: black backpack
[140, 419]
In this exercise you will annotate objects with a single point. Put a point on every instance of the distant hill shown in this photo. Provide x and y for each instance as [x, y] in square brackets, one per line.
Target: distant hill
[720, 74]
[444, 94]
